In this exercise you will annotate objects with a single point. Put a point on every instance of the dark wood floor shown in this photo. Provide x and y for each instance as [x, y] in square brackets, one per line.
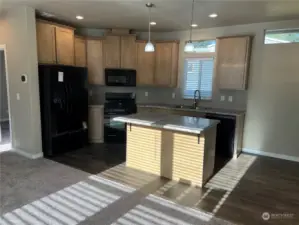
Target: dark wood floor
[94, 158]
[241, 192]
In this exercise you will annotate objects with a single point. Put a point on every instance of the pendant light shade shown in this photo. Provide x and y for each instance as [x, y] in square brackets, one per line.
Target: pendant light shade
[189, 47]
[149, 46]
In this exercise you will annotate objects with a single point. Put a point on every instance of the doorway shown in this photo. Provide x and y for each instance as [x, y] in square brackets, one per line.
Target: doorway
[5, 122]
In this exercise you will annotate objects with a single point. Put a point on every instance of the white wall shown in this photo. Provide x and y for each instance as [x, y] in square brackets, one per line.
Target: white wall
[18, 33]
[3, 90]
[272, 97]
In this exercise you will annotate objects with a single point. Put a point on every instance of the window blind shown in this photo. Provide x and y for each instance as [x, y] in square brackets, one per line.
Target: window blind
[198, 74]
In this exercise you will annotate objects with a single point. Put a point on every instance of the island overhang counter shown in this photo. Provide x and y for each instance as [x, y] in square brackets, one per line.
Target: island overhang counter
[180, 148]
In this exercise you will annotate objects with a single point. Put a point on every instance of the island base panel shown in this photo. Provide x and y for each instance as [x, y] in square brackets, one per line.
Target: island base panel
[183, 157]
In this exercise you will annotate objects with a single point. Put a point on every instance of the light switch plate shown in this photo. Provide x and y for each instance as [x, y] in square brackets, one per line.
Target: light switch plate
[90, 93]
[222, 98]
[173, 95]
[146, 94]
[230, 98]
[18, 96]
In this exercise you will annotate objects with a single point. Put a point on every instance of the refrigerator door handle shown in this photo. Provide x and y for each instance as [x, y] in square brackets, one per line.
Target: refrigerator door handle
[71, 97]
[66, 99]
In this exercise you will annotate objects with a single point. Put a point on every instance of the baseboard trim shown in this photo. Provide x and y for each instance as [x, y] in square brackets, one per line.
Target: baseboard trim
[269, 154]
[4, 120]
[28, 155]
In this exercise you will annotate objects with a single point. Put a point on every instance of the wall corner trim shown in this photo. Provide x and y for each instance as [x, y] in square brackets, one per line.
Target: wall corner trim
[28, 155]
[269, 154]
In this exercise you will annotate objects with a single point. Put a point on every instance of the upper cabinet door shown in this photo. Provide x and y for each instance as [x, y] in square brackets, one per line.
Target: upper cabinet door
[233, 55]
[95, 61]
[80, 52]
[128, 52]
[65, 46]
[111, 47]
[145, 65]
[46, 42]
[166, 68]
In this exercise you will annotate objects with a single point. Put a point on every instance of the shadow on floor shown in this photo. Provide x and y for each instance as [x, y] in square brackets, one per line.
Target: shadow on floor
[94, 158]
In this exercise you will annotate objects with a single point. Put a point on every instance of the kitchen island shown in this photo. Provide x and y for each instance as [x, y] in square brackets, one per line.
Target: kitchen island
[177, 147]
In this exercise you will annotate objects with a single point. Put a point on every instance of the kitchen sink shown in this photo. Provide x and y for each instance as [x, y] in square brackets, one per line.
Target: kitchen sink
[184, 107]
[192, 107]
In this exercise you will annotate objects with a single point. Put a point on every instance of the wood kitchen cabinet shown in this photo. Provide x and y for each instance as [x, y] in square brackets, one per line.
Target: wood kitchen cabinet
[46, 49]
[166, 64]
[65, 46]
[55, 43]
[145, 64]
[128, 52]
[111, 51]
[233, 56]
[95, 61]
[80, 51]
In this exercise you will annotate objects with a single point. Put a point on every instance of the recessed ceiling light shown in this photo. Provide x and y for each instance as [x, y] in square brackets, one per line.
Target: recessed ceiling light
[213, 15]
[194, 25]
[153, 23]
[79, 17]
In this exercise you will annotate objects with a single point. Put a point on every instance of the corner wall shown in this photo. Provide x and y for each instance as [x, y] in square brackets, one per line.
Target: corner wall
[18, 33]
[3, 91]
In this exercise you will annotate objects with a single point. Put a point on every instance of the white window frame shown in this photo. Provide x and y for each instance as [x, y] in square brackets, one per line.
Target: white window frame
[277, 31]
[201, 55]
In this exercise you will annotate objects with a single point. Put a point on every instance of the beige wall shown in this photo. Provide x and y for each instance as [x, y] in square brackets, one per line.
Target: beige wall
[3, 90]
[272, 98]
[18, 33]
[272, 123]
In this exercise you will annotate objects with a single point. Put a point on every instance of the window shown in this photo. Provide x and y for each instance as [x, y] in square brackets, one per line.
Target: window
[204, 46]
[198, 74]
[198, 70]
[281, 36]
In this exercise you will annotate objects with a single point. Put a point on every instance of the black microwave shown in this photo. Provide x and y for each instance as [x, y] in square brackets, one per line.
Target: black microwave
[120, 77]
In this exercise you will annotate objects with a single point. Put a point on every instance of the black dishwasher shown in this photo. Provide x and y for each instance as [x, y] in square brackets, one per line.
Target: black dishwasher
[224, 140]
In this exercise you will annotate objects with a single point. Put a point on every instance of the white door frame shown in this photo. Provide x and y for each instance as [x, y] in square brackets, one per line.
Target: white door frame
[3, 48]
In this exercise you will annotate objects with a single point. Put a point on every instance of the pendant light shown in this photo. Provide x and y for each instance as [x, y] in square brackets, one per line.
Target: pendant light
[189, 47]
[149, 46]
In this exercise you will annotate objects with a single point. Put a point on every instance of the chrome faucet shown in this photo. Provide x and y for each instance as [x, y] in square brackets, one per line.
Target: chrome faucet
[196, 99]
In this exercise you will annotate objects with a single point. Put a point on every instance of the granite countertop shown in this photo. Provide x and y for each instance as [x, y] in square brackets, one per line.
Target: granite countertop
[187, 124]
[231, 112]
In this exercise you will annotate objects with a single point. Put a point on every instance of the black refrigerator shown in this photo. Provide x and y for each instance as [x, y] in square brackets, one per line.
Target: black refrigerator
[64, 108]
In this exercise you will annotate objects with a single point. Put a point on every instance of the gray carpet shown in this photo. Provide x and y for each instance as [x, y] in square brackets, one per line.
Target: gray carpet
[45, 192]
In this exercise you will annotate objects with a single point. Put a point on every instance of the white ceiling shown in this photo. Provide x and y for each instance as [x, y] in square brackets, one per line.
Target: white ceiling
[169, 14]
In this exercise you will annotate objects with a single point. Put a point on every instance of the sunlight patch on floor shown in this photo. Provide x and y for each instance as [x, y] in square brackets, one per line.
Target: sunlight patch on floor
[5, 147]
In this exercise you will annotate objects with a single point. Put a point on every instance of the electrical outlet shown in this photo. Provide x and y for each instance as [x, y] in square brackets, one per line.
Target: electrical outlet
[90, 93]
[146, 94]
[18, 96]
[230, 98]
[222, 98]
[173, 95]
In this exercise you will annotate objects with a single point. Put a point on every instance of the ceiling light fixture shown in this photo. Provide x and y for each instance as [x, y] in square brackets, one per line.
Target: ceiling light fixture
[149, 47]
[153, 23]
[79, 17]
[189, 47]
[194, 25]
[213, 15]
